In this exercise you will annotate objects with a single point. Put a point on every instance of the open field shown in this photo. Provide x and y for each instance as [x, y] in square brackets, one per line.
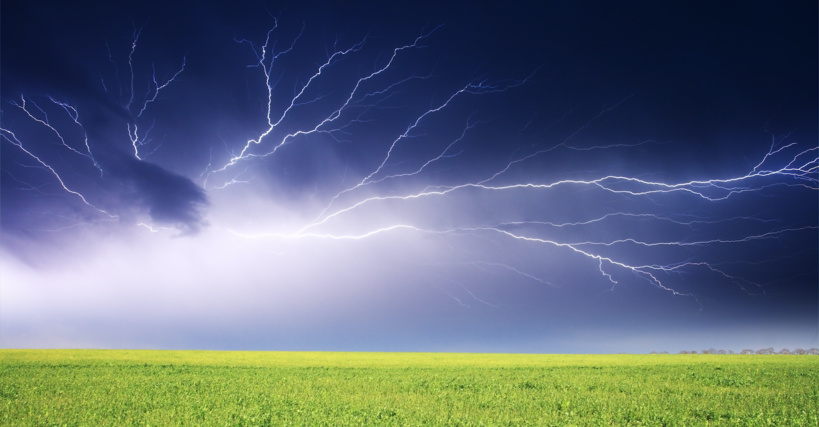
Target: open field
[112, 387]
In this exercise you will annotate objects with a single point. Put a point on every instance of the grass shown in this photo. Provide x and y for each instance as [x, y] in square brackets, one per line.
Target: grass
[112, 387]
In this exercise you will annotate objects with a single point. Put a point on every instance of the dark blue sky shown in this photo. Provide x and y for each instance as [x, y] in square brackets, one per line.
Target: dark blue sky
[568, 177]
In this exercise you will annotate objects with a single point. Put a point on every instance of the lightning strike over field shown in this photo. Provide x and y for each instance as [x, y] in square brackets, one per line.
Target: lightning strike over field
[319, 179]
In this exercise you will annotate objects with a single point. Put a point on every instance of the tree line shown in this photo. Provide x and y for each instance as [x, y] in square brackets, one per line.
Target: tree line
[769, 350]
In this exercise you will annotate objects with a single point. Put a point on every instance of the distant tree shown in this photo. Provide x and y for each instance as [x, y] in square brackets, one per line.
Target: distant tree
[731, 352]
[814, 351]
[768, 350]
[746, 351]
[721, 352]
[693, 352]
[800, 351]
[785, 351]
[683, 351]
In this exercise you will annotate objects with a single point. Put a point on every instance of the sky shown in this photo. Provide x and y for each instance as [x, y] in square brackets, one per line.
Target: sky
[561, 177]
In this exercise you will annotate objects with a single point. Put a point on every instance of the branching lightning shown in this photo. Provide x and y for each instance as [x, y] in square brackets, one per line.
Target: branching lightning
[40, 115]
[344, 212]
[150, 96]
[72, 113]
[266, 60]
[798, 170]
[12, 138]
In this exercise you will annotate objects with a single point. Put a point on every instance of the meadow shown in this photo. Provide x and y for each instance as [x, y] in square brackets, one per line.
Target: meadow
[116, 387]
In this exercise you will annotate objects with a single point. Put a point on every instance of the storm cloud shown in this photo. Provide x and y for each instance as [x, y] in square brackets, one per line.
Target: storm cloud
[561, 177]
[168, 198]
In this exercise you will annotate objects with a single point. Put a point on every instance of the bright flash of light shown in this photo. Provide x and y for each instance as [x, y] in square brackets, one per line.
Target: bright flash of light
[402, 185]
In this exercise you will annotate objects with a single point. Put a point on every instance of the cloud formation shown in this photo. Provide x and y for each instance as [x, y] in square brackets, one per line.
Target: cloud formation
[170, 199]
[449, 177]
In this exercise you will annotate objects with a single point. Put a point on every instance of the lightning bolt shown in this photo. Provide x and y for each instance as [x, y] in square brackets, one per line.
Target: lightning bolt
[43, 120]
[783, 165]
[266, 60]
[137, 107]
[10, 137]
[341, 215]
[150, 96]
[797, 171]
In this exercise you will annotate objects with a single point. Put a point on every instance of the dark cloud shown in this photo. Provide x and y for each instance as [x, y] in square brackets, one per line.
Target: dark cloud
[665, 93]
[60, 65]
[168, 198]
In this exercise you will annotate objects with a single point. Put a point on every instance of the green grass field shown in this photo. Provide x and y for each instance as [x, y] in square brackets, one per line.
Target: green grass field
[112, 387]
